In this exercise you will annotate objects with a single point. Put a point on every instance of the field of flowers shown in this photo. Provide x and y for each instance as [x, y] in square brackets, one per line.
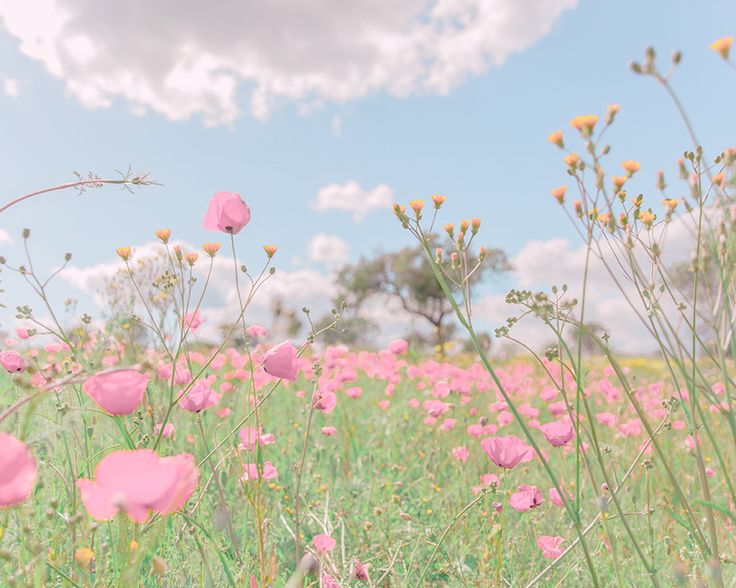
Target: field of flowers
[162, 460]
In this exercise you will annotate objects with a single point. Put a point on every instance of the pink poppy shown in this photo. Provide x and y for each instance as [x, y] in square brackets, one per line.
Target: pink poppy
[460, 453]
[324, 401]
[12, 361]
[22, 332]
[192, 321]
[527, 497]
[168, 430]
[398, 347]
[251, 472]
[558, 433]
[119, 392]
[329, 431]
[250, 436]
[360, 570]
[550, 546]
[17, 471]
[138, 482]
[280, 361]
[507, 451]
[256, 331]
[227, 212]
[323, 543]
[200, 397]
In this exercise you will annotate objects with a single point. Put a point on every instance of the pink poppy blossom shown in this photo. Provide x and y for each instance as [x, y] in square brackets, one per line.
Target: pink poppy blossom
[200, 396]
[550, 546]
[354, 392]
[22, 332]
[168, 430]
[137, 483]
[192, 321]
[558, 433]
[325, 401]
[256, 331]
[119, 392]
[250, 436]
[17, 471]
[328, 581]
[507, 451]
[227, 213]
[12, 361]
[323, 543]
[527, 497]
[251, 472]
[329, 431]
[460, 453]
[398, 347]
[280, 361]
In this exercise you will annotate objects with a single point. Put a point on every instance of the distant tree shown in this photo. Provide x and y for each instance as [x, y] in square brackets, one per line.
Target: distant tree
[407, 276]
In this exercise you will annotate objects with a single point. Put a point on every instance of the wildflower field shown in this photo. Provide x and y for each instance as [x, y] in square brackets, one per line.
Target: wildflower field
[135, 452]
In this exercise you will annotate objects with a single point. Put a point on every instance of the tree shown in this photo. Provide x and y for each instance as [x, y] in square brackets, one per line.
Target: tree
[407, 276]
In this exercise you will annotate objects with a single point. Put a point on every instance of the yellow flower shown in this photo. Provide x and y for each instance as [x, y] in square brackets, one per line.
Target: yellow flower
[211, 249]
[191, 258]
[670, 203]
[618, 182]
[585, 123]
[417, 206]
[722, 46]
[572, 159]
[270, 250]
[164, 235]
[556, 139]
[438, 200]
[84, 555]
[559, 194]
[647, 218]
[124, 253]
[631, 166]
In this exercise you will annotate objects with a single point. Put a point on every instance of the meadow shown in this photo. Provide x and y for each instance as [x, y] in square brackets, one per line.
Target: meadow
[135, 454]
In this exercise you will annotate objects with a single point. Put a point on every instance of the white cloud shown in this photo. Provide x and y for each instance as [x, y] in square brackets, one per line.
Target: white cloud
[183, 58]
[5, 238]
[328, 249]
[351, 197]
[11, 87]
[336, 125]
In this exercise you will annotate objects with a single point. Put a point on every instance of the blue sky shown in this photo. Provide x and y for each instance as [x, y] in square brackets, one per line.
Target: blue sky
[482, 144]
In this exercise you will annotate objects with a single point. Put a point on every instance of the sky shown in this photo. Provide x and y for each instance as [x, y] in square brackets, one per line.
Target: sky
[321, 116]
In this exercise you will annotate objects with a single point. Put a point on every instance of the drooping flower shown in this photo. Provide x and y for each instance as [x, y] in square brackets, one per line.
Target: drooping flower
[12, 361]
[507, 451]
[137, 483]
[119, 392]
[323, 543]
[550, 546]
[525, 498]
[558, 433]
[17, 470]
[280, 361]
[227, 213]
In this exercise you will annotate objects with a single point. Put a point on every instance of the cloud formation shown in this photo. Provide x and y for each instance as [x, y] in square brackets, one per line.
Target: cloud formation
[184, 58]
[352, 197]
[328, 249]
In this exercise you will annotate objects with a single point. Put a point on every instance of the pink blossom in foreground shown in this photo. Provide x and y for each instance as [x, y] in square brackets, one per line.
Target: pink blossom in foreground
[323, 543]
[360, 570]
[527, 497]
[558, 433]
[12, 361]
[550, 546]
[119, 392]
[506, 451]
[227, 213]
[280, 361]
[17, 471]
[137, 483]
[251, 472]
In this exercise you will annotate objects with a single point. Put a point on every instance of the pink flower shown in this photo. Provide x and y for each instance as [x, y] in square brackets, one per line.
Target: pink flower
[199, 397]
[558, 433]
[360, 570]
[249, 437]
[251, 472]
[119, 392]
[256, 331]
[323, 543]
[325, 401]
[12, 361]
[280, 361]
[168, 430]
[506, 451]
[527, 497]
[138, 482]
[329, 431]
[398, 347]
[17, 471]
[550, 546]
[460, 453]
[192, 321]
[556, 499]
[328, 581]
[354, 392]
[22, 332]
[227, 212]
